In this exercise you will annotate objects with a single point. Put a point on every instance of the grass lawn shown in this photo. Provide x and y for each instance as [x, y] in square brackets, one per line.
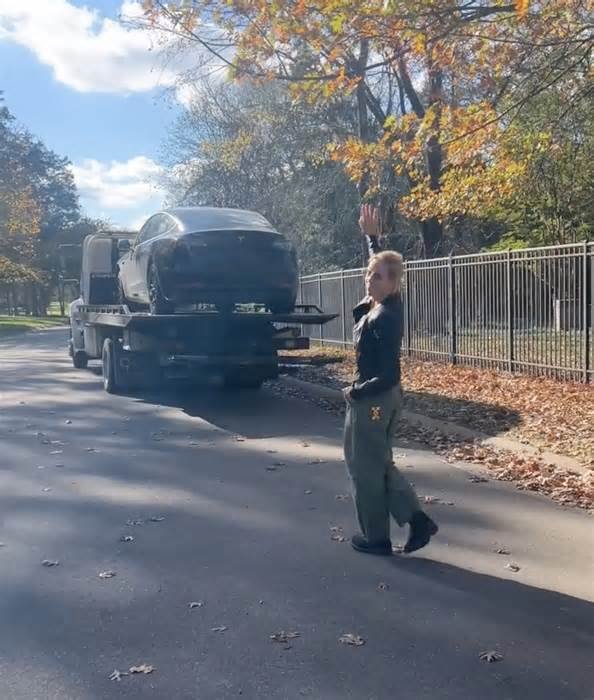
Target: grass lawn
[12, 325]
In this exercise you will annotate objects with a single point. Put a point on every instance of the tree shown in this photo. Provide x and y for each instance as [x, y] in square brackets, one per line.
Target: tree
[38, 209]
[19, 209]
[251, 146]
[437, 84]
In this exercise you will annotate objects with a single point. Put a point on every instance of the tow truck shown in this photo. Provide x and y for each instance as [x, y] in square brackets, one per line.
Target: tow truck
[236, 348]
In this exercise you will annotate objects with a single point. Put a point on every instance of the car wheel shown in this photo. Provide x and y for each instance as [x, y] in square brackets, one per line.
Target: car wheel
[158, 304]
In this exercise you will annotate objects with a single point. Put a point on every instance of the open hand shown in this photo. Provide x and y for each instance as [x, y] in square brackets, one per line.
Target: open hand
[369, 221]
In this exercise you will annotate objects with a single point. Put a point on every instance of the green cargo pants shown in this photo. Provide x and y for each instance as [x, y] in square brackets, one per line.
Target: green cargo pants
[379, 489]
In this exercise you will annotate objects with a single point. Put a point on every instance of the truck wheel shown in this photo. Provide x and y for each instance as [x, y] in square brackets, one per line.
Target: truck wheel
[112, 379]
[158, 304]
[235, 380]
[80, 359]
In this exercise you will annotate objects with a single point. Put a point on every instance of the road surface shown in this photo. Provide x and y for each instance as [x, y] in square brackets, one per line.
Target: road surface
[243, 490]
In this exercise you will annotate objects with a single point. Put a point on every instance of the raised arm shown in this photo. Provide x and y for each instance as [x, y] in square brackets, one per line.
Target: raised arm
[369, 222]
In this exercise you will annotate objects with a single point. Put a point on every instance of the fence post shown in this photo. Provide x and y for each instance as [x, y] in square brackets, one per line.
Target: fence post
[343, 308]
[585, 316]
[321, 307]
[510, 316]
[408, 287]
[452, 309]
[301, 300]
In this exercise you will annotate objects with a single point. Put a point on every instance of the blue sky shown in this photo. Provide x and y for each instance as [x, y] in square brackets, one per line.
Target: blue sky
[93, 90]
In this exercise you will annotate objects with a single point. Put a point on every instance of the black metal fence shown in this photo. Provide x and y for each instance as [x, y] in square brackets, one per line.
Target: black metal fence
[522, 310]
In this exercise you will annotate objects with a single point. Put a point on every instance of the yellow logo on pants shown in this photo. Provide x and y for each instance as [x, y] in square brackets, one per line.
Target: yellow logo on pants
[376, 413]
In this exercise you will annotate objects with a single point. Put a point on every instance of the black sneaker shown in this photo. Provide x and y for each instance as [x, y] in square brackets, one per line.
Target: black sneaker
[383, 549]
[422, 529]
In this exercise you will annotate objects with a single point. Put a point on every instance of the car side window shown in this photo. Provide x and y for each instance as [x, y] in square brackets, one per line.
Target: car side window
[155, 226]
[146, 232]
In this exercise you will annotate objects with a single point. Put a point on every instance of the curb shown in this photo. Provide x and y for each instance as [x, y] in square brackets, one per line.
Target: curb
[443, 426]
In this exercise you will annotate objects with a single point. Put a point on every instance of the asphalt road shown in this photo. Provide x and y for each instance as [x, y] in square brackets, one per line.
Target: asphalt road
[251, 542]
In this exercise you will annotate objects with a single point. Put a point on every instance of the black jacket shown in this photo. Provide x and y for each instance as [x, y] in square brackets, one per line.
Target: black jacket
[377, 336]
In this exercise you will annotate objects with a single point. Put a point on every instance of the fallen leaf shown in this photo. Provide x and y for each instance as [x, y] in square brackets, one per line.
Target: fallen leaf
[222, 628]
[352, 639]
[342, 497]
[502, 550]
[430, 499]
[57, 452]
[196, 604]
[50, 562]
[47, 489]
[475, 479]
[126, 538]
[271, 468]
[132, 523]
[91, 449]
[107, 574]
[336, 534]
[304, 444]
[68, 422]
[491, 656]
[157, 518]
[512, 567]
[308, 492]
[383, 586]
[283, 637]
[143, 668]
[118, 675]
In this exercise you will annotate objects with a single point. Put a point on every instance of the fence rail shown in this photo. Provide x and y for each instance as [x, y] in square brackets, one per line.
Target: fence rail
[528, 311]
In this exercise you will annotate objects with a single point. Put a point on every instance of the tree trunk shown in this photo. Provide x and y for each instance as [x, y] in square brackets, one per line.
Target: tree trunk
[432, 229]
[432, 232]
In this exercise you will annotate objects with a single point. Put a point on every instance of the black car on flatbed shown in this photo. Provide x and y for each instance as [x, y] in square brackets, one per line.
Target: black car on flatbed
[207, 255]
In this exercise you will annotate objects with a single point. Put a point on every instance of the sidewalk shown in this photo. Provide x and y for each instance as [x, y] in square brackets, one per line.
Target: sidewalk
[493, 434]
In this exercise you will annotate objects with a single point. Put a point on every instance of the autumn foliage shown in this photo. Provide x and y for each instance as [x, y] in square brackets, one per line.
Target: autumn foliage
[440, 86]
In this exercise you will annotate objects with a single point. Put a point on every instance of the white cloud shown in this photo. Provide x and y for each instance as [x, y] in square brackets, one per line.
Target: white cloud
[123, 191]
[86, 51]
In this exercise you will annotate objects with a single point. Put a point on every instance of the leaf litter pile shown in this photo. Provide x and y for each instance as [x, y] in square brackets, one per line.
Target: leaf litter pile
[545, 413]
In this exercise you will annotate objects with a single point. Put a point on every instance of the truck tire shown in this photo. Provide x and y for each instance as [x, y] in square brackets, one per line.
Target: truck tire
[112, 379]
[158, 304]
[80, 359]
[235, 379]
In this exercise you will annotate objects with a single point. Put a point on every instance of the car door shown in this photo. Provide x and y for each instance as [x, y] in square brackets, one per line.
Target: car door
[131, 266]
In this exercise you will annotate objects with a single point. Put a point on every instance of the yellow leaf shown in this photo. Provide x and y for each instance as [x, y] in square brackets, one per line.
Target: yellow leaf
[522, 7]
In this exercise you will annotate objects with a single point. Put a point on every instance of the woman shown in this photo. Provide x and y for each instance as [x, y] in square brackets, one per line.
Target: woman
[374, 402]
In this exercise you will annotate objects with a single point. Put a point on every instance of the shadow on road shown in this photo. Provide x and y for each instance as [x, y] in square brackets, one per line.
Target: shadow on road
[253, 546]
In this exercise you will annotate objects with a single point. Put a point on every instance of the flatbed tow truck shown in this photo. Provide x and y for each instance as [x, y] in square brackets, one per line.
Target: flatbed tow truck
[141, 350]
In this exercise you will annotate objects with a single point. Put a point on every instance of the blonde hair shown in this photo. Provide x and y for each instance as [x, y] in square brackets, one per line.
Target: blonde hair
[394, 266]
